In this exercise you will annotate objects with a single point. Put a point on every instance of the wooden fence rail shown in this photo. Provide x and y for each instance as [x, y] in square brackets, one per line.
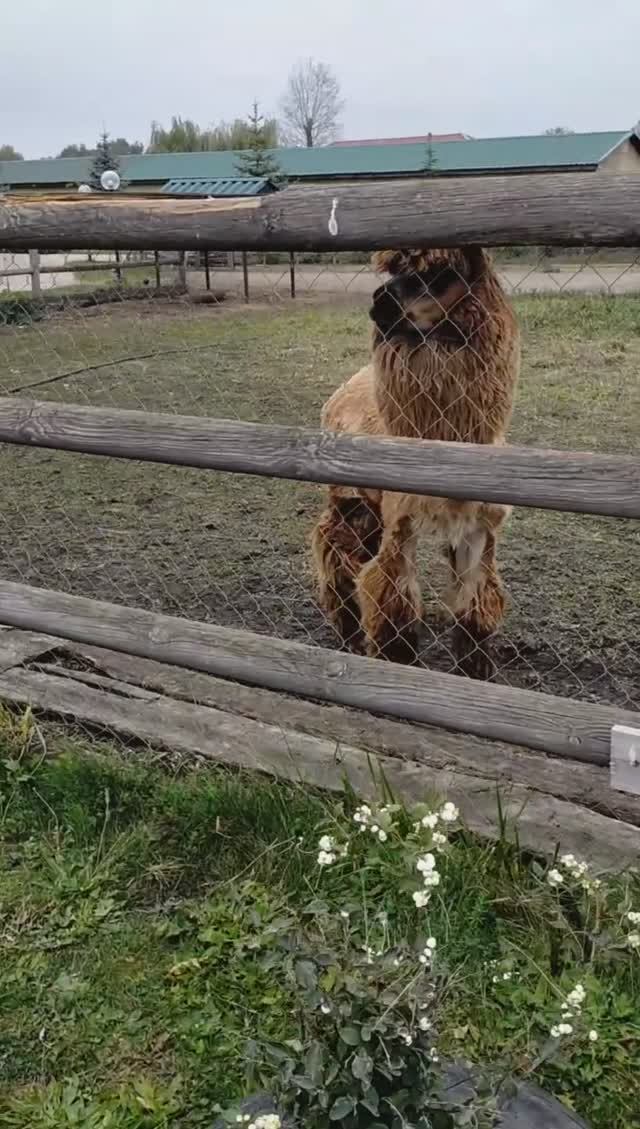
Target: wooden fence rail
[82, 267]
[576, 730]
[573, 209]
[525, 476]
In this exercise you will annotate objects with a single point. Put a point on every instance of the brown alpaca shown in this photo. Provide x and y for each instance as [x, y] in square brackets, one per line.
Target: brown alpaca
[444, 366]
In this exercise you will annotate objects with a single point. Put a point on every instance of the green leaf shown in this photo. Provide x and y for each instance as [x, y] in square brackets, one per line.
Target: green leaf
[371, 1101]
[317, 906]
[314, 1062]
[342, 1107]
[306, 974]
[350, 1036]
[362, 1066]
[303, 1082]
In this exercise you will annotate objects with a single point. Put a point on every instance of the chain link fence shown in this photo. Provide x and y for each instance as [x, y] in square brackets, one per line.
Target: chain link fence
[533, 599]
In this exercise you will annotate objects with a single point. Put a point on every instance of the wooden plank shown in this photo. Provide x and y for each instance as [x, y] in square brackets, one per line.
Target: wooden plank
[526, 476]
[17, 647]
[584, 784]
[573, 729]
[542, 821]
[572, 209]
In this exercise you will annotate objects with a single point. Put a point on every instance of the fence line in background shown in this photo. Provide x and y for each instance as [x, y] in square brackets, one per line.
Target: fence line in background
[571, 481]
[566, 210]
[575, 730]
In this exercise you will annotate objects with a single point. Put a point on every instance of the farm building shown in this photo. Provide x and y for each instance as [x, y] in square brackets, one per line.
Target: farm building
[617, 150]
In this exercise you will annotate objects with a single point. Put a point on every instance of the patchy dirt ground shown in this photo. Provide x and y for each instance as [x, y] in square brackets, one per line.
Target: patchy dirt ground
[233, 549]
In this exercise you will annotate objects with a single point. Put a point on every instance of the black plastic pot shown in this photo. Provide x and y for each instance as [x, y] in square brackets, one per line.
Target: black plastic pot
[529, 1108]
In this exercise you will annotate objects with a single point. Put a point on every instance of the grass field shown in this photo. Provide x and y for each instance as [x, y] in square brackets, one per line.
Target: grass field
[234, 549]
[132, 899]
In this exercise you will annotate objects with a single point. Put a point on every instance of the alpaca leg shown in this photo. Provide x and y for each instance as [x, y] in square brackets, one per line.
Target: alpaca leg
[345, 538]
[389, 593]
[478, 598]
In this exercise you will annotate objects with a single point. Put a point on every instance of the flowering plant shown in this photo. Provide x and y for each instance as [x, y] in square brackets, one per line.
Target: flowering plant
[367, 1053]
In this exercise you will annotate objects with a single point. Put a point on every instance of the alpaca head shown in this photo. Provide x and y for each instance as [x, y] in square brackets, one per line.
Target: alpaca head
[424, 289]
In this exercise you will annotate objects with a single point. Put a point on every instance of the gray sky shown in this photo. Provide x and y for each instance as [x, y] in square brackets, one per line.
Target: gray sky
[485, 67]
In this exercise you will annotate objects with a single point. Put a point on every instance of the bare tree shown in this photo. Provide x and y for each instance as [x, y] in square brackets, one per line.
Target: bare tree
[311, 104]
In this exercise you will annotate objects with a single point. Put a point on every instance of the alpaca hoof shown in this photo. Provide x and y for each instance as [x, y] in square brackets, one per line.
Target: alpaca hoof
[473, 658]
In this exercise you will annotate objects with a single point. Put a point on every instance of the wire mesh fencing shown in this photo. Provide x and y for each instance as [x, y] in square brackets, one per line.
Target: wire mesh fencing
[424, 345]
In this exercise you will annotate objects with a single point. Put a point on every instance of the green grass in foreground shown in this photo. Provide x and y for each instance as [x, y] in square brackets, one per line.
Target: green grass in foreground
[128, 895]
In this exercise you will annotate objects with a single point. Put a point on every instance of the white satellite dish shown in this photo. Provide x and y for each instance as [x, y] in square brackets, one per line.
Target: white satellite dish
[110, 180]
[84, 188]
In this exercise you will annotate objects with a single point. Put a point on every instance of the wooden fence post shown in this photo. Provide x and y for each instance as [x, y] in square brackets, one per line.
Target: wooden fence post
[118, 272]
[34, 267]
[207, 273]
[182, 270]
[156, 263]
[245, 276]
[292, 273]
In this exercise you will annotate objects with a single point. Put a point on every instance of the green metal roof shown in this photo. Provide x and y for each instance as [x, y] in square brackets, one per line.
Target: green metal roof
[492, 154]
[223, 186]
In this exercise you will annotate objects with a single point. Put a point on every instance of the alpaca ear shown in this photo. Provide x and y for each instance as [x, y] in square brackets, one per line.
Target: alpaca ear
[390, 262]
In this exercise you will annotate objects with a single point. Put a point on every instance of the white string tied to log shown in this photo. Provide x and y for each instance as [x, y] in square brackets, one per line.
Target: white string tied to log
[333, 223]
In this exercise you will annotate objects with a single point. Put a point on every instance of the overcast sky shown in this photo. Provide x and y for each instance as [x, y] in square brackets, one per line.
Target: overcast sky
[485, 67]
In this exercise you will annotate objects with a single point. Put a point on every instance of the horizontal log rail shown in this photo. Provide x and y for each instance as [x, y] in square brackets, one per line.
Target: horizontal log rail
[83, 267]
[573, 209]
[526, 476]
[576, 730]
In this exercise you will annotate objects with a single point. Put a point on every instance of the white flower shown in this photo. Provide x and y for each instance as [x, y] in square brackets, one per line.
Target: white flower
[326, 858]
[506, 975]
[565, 1028]
[382, 835]
[431, 820]
[449, 812]
[569, 861]
[554, 878]
[431, 944]
[426, 863]
[555, 1032]
[634, 917]
[432, 879]
[325, 1009]
[362, 814]
[344, 913]
[494, 979]
[593, 1036]
[577, 997]
[326, 843]
[433, 1055]
[408, 1039]
[421, 898]
[423, 958]
[239, 1119]
[266, 1121]
[633, 940]
[374, 829]
[424, 1023]
[438, 839]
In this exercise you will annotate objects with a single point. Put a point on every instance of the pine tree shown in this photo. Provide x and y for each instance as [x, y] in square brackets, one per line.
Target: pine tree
[103, 161]
[257, 160]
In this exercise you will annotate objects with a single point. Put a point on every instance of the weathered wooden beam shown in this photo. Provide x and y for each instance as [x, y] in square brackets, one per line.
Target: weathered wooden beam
[543, 822]
[523, 476]
[573, 729]
[437, 749]
[572, 209]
